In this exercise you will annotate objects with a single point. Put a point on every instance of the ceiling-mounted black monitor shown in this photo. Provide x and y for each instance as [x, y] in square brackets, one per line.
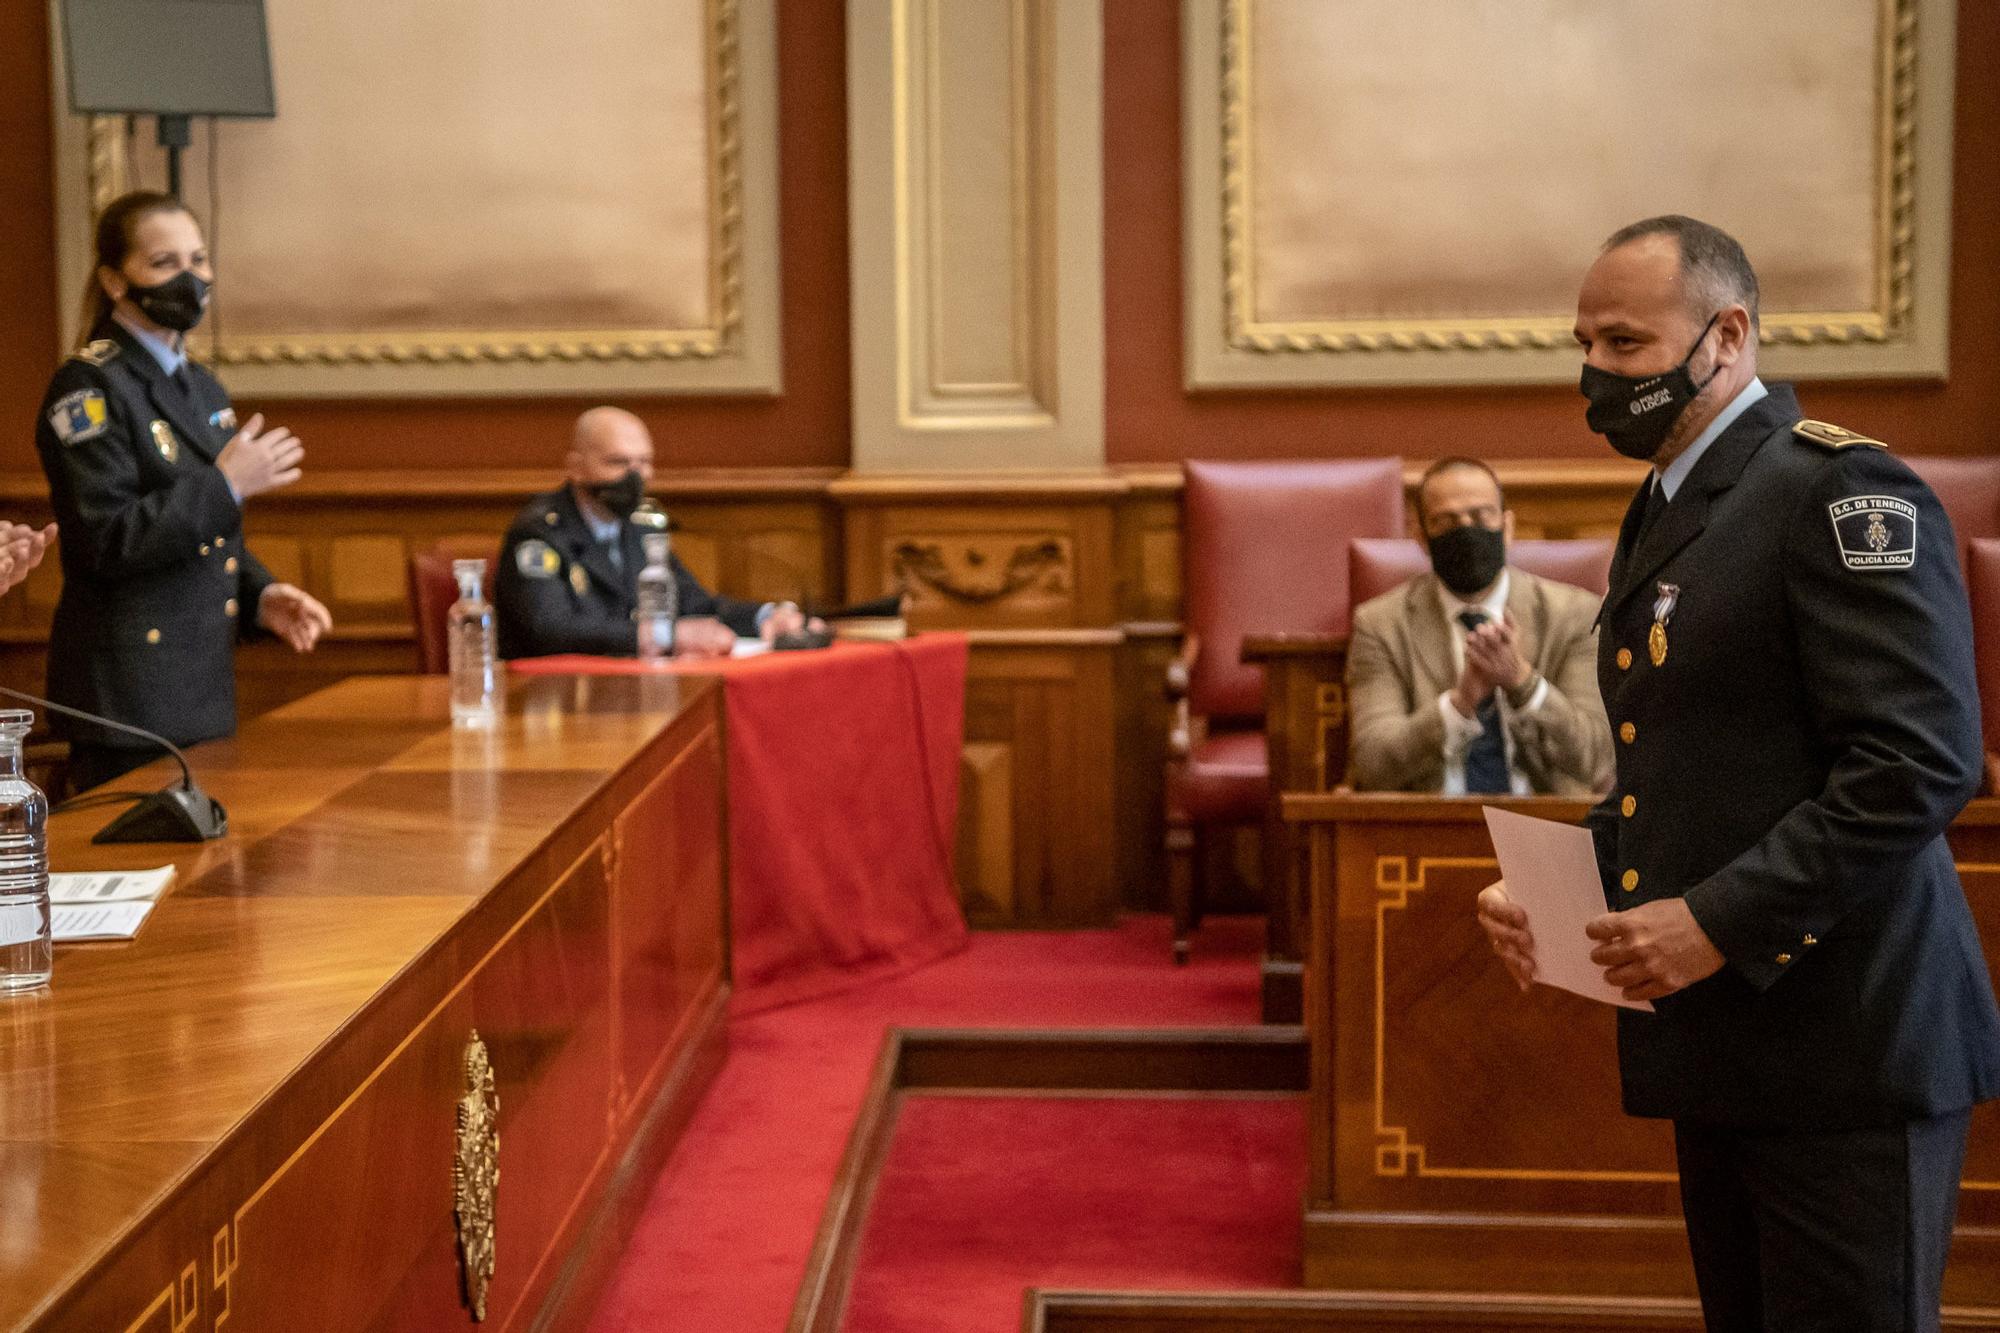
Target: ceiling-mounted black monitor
[169, 57]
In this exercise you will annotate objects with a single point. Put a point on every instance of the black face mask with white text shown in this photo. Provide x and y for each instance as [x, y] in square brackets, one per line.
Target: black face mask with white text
[1636, 413]
[177, 304]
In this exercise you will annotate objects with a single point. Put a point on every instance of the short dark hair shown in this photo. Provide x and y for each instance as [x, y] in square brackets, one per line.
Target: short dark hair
[1714, 268]
[1454, 464]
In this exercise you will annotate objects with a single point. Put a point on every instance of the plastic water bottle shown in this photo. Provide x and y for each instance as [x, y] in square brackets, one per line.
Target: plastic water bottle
[26, 949]
[474, 668]
[659, 600]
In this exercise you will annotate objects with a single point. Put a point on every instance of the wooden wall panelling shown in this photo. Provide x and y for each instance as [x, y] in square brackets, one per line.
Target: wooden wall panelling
[1468, 1138]
[1026, 566]
[1048, 700]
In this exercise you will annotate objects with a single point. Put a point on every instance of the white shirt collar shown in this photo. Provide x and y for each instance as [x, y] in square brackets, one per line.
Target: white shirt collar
[1677, 471]
[164, 349]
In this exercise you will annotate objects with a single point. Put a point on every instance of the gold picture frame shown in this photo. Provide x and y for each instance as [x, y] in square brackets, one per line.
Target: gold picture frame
[1901, 331]
[733, 348]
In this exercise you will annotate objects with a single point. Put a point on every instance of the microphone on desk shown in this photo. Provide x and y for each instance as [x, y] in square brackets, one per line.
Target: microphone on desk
[183, 813]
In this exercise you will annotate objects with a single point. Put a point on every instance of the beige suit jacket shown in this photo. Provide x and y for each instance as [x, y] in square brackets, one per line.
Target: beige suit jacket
[1399, 661]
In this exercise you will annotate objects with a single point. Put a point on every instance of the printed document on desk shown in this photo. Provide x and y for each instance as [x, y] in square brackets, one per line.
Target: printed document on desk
[1551, 871]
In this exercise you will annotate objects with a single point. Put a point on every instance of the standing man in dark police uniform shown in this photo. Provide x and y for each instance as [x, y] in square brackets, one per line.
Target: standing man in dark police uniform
[569, 568]
[148, 473]
[1786, 658]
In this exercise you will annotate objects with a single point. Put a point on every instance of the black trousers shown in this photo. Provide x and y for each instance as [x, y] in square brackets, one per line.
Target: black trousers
[1838, 1230]
[94, 765]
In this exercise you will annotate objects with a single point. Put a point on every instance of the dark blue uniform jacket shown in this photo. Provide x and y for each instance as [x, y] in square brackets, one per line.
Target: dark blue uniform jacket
[1789, 769]
[557, 590]
[157, 584]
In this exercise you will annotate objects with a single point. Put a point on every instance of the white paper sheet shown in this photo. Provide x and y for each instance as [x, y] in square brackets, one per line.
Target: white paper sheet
[106, 886]
[1551, 871]
[98, 921]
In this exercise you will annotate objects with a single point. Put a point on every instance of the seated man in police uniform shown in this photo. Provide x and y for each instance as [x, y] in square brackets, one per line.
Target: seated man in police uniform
[1475, 678]
[569, 569]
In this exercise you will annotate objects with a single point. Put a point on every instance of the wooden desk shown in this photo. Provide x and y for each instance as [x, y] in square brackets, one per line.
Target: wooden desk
[248, 1114]
[1466, 1137]
[1305, 738]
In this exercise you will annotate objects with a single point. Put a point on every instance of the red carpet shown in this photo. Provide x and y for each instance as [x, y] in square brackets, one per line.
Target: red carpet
[726, 1234]
[983, 1197]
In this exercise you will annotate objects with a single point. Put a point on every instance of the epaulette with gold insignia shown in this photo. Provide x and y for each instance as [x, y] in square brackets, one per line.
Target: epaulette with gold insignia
[96, 353]
[1829, 436]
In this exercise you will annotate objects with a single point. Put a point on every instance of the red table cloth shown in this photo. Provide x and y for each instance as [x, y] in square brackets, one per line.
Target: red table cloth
[843, 809]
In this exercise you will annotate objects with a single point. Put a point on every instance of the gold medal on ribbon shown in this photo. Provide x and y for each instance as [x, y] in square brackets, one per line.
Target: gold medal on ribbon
[1663, 611]
[164, 441]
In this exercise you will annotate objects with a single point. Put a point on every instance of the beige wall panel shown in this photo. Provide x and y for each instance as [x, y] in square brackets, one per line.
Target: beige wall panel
[976, 199]
[471, 195]
[1381, 192]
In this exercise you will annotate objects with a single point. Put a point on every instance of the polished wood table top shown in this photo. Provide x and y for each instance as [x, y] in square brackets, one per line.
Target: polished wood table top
[363, 829]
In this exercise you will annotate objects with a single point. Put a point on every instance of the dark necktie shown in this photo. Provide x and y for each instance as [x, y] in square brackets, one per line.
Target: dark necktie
[1656, 505]
[614, 550]
[1486, 758]
[181, 379]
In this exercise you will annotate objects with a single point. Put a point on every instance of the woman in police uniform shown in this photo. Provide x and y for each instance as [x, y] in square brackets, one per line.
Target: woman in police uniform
[148, 472]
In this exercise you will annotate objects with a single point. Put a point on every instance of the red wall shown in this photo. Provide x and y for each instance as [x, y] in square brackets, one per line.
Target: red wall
[806, 426]
[1152, 418]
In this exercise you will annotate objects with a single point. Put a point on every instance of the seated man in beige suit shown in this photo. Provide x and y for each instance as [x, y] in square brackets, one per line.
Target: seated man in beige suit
[1475, 678]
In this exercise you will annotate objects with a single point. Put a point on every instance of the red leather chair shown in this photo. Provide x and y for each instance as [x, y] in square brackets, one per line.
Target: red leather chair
[1264, 550]
[1377, 565]
[1969, 489]
[432, 591]
[1982, 585]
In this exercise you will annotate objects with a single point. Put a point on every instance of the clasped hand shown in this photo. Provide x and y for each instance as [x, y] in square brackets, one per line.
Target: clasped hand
[1492, 661]
[1651, 950]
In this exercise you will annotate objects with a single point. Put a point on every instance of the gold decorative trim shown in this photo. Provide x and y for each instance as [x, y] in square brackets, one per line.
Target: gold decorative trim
[475, 1174]
[1330, 715]
[1895, 229]
[223, 1259]
[179, 1300]
[1395, 1154]
[110, 170]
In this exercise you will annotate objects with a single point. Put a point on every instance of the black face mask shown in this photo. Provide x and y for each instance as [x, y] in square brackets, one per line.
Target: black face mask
[1637, 413]
[622, 496]
[1468, 558]
[175, 304]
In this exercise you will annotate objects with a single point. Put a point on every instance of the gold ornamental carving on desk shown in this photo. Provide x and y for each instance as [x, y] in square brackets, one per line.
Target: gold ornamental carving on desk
[476, 1173]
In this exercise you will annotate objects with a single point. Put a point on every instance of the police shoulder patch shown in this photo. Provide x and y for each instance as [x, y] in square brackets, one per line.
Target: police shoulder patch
[79, 416]
[1829, 436]
[97, 352]
[1875, 532]
[536, 559]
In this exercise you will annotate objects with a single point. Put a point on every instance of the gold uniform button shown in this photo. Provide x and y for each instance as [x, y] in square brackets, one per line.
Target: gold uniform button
[229, 607]
[229, 565]
[1631, 880]
[1624, 659]
[221, 542]
[1627, 732]
[204, 548]
[1782, 959]
[1628, 805]
[152, 636]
